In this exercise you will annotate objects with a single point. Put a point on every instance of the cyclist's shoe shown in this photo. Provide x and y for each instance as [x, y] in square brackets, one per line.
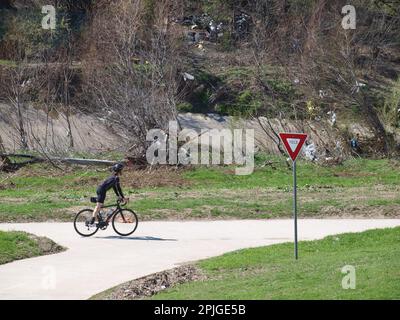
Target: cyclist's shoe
[90, 222]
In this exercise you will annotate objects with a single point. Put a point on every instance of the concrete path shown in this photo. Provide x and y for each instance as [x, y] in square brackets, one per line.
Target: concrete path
[91, 265]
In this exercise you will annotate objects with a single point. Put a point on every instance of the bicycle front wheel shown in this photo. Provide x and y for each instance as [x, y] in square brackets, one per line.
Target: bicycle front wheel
[82, 223]
[125, 222]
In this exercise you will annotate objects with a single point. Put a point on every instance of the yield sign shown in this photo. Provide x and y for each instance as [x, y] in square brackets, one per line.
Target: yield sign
[293, 143]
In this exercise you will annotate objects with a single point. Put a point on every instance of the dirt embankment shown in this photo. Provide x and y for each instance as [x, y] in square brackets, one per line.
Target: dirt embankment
[51, 132]
[92, 134]
[28, 246]
[46, 245]
[152, 284]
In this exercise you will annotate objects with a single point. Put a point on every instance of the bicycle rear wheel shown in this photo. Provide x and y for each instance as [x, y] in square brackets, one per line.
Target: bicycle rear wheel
[81, 223]
[125, 222]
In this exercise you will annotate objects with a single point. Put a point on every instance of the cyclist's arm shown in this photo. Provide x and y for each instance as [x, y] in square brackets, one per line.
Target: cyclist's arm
[118, 190]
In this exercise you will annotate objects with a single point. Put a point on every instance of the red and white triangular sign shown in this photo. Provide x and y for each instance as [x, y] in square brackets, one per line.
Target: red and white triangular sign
[293, 143]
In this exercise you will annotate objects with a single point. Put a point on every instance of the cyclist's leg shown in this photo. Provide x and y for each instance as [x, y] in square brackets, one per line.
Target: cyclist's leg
[100, 202]
[97, 209]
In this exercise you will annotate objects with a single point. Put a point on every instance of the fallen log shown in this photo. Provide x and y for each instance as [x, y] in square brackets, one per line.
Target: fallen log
[87, 162]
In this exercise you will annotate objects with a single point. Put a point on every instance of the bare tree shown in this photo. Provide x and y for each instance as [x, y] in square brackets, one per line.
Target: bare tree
[4, 161]
[132, 81]
[341, 67]
[67, 74]
[270, 50]
[16, 81]
[326, 62]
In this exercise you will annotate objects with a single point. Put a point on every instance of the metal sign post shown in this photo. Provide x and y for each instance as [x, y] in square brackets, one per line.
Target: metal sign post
[296, 251]
[293, 143]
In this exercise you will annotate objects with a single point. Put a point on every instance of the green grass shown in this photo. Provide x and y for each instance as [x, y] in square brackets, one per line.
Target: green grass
[272, 273]
[16, 245]
[38, 193]
[7, 63]
[353, 173]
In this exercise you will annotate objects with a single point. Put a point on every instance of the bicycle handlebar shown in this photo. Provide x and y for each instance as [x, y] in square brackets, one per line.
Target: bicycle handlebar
[122, 204]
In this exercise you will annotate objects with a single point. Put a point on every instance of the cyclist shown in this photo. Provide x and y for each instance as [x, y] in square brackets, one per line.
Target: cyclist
[111, 182]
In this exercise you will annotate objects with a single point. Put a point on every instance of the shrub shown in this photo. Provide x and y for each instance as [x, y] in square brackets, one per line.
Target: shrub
[185, 107]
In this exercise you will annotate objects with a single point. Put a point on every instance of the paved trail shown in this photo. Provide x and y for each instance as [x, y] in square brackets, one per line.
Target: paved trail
[91, 265]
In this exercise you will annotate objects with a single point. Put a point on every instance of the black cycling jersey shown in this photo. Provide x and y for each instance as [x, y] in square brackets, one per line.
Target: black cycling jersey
[111, 182]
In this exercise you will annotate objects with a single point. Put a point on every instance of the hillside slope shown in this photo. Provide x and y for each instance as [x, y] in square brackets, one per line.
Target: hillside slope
[142, 63]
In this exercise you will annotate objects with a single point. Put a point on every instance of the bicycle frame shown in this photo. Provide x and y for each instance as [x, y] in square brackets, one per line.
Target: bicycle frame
[117, 209]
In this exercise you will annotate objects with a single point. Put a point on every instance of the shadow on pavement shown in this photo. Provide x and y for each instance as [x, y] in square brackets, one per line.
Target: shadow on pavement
[136, 238]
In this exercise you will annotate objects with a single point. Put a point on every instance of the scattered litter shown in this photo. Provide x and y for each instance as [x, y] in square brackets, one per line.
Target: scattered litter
[241, 25]
[354, 144]
[201, 46]
[310, 151]
[208, 28]
[25, 83]
[187, 76]
[184, 156]
[215, 30]
[200, 21]
[357, 87]
[332, 120]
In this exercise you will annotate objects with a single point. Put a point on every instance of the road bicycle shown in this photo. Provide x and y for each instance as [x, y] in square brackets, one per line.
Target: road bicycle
[124, 221]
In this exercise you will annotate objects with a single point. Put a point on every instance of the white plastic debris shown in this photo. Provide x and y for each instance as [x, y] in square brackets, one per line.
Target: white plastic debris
[25, 83]
[332, 120]
[358, 85]
[310, 152]
[187, 76]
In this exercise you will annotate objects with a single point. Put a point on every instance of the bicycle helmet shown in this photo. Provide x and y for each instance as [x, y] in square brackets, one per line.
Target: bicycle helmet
[117, 167]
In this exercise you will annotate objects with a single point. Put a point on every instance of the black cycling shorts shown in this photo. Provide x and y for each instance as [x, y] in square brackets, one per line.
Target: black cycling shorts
[101, 197]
